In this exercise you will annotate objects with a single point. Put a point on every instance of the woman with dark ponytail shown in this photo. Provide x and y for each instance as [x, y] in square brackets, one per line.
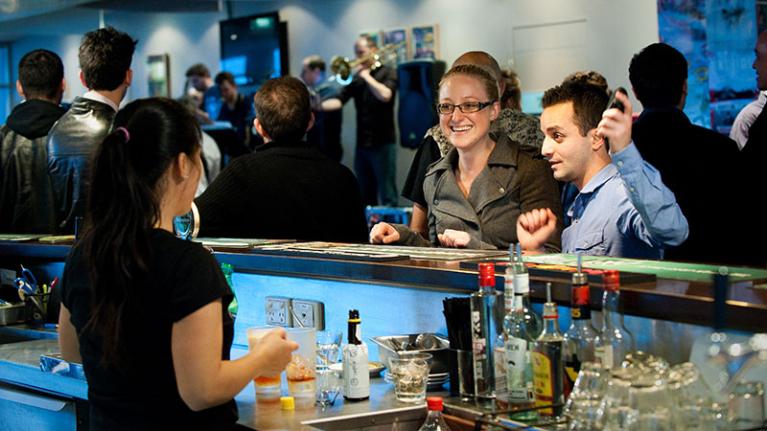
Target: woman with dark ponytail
[145, 312]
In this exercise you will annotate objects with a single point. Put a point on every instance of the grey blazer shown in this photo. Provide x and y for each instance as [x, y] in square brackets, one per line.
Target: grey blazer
[512, 183]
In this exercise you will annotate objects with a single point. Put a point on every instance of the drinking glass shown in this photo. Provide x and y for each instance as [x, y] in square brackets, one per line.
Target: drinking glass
[268, 388]
[328, 381]
[410, 376]
[328, 348]
[692, 398]
[746, 405]
[588, 391]
[301, 370]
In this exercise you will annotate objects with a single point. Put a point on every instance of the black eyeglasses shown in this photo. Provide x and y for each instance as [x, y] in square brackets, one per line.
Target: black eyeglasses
[466, 107]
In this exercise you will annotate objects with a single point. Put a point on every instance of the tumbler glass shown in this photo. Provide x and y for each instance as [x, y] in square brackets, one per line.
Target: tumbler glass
[746, 405]
[268, 388]
[410, 376]
[301, 370]
[589, 389]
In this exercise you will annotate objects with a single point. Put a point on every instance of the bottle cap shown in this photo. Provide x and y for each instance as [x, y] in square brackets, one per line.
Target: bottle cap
[612, 280]
[580, 278]
[486, 274]
[354, 315]
[287, 403]
[434, 403]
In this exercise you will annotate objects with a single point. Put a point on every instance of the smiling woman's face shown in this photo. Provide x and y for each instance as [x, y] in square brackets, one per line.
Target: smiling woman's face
[464, 130]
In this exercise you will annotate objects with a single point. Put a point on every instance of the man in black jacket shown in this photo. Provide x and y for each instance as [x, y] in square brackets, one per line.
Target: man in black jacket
[696, 163]
[26, 196]
[105, 57]
[286, 189]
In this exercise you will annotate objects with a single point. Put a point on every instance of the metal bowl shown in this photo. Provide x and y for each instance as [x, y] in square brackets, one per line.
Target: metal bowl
[396, 346]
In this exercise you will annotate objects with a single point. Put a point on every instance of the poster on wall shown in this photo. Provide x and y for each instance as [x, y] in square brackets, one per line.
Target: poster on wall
[159, 75]
[425, 42]
[717, 39]
[398, 38]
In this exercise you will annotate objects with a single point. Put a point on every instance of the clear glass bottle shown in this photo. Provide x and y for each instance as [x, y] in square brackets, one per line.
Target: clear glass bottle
[521, 328]
[355, 366]
[580, 336]
[485, 304]
[434, 420]
[548, 362]
[615, 341]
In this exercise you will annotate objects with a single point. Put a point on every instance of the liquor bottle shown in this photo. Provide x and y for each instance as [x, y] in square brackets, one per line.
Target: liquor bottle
[434, 420]
[355, 366]
[521, 327]
[485, 305]
[548, 364]
[579, 338]
[615, 341]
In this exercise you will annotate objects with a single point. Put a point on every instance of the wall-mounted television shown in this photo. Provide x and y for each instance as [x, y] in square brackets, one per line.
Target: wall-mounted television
[254, 49]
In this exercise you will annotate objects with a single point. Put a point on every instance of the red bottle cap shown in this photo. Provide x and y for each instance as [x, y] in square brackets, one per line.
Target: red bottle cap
[434, 403]
[612, 280]
[487, 274]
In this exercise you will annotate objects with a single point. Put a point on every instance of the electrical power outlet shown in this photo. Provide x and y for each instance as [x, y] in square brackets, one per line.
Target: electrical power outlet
[278, 311]
[308, 314]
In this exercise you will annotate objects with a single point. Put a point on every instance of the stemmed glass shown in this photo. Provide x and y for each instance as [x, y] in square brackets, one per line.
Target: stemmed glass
[328, 381]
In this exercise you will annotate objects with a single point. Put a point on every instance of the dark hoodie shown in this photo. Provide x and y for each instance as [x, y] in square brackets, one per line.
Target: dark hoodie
[25, 192]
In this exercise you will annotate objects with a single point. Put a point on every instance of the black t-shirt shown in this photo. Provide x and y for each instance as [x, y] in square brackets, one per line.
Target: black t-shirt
[182, 278]
[375, 119]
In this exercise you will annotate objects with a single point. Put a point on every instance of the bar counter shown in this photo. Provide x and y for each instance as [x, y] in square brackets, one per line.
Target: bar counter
[398, 296]
[666, 299]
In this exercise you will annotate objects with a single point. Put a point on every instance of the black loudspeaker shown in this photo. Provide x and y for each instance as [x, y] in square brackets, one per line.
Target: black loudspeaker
[418, 82]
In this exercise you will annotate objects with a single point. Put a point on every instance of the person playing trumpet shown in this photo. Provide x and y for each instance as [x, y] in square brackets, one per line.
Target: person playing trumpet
[373, 91]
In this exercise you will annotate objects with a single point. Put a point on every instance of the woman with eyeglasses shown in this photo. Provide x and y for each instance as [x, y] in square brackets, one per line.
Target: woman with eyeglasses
[146, 313]
[478, 189]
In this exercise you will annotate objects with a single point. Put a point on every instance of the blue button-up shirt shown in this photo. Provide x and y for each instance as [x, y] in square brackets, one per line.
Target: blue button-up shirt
[625, 210]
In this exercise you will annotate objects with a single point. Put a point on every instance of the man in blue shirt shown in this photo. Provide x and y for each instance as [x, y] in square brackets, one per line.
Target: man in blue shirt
[622, 208]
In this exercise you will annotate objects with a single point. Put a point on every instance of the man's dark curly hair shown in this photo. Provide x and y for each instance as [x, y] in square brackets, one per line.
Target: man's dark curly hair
[105, 55]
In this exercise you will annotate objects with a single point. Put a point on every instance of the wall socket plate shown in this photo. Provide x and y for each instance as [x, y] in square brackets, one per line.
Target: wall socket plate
[278, 311]
[308, 314]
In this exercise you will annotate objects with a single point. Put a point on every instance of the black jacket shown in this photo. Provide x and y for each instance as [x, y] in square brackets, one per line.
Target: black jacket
[284, 191]
[26, 194]
[699, 166]
[70, 143]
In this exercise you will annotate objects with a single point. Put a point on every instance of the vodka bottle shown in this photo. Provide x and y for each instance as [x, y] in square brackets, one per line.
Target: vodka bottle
[355, 366]
[485, 305]
[615, 341]
[548, 364]
[521, 327]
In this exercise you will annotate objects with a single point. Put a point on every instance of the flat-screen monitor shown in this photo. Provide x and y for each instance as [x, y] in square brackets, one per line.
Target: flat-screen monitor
[254, 49]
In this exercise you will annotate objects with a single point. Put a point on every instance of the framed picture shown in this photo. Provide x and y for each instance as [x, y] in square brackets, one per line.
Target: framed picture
[399, 39]
[159, 75]
[425, 42]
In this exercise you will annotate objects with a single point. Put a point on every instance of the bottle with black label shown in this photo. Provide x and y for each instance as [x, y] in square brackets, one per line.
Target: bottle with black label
[355, 366]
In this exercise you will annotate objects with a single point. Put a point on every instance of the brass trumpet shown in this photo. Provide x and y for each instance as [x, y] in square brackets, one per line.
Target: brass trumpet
[342, 66]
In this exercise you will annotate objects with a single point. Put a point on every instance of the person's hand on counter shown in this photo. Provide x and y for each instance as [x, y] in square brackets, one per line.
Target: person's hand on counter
[383, 233]
[454, 238]
[274, 352]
